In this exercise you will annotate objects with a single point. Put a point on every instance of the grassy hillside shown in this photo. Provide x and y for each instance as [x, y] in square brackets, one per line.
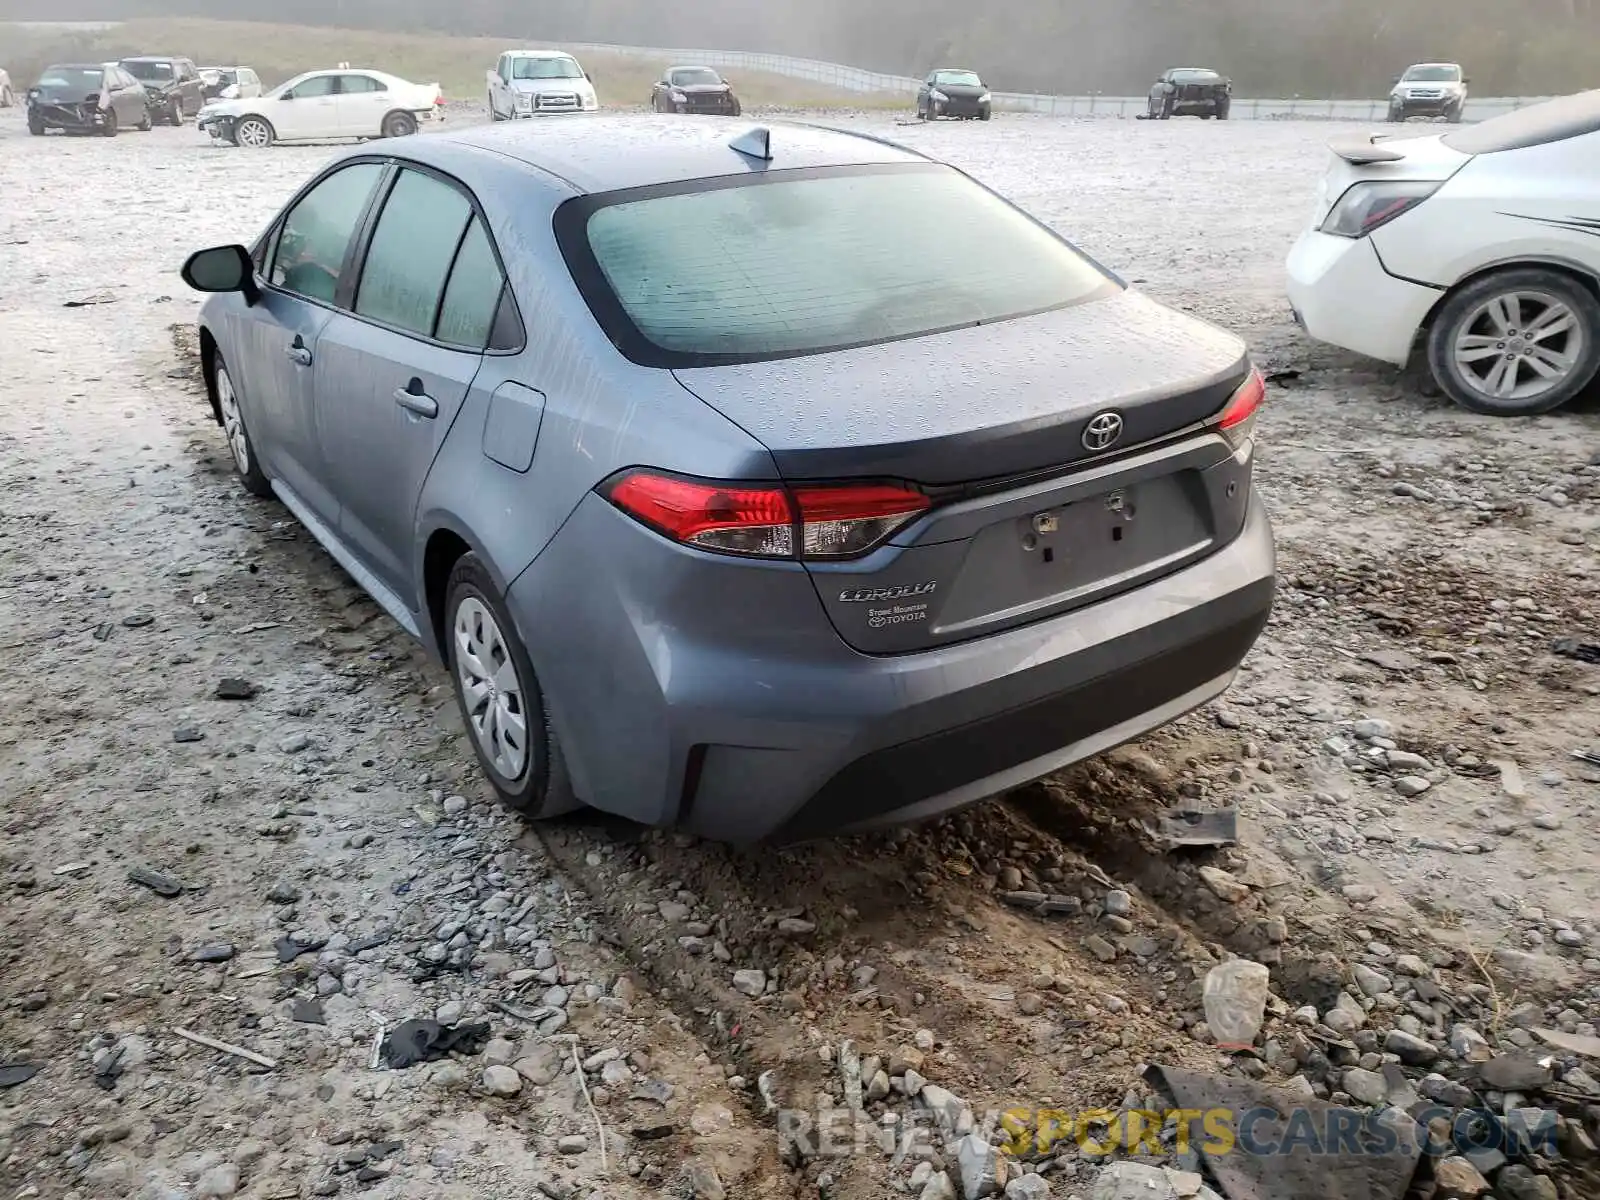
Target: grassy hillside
[278, 52]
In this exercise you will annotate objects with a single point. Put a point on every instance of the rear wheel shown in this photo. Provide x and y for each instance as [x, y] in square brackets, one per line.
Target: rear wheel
[500, 699]
[109, 129]
[1516, 343]
[253, 132]
[399, 124]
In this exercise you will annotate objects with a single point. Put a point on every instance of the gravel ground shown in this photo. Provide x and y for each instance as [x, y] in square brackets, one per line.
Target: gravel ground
[1428, 558]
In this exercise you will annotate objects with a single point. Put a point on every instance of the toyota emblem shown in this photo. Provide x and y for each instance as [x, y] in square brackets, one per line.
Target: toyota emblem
[1102, 431]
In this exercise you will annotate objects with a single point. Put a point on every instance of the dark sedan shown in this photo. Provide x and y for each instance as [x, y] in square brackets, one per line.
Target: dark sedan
[694, 90]
[1191, 92]
[96, 98]
[953, 93]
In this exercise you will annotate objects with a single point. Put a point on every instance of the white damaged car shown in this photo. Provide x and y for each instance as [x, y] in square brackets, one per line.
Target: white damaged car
[322, 106]
[1478, 251]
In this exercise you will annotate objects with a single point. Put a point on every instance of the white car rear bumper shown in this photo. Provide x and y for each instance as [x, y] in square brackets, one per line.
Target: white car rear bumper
[1342, 295]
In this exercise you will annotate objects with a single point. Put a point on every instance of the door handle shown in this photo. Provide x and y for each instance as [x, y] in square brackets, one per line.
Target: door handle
[416, 401]
[298, 354]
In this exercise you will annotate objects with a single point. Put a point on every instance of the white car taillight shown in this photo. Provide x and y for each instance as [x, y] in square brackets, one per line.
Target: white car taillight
[1366, 206]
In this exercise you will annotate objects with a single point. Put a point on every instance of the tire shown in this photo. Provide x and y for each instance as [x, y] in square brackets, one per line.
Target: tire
[1479, 310]
[1222, 111]
[399, 124]
[7, 97]
[985, 115]
[35, 127]
[922, 113]
[1454, 116]
[253, 132]
[1166, 111]
[738, 109]
[231, 416]
[145, 123]
[534, 781]
[494, 113]
[109, 129]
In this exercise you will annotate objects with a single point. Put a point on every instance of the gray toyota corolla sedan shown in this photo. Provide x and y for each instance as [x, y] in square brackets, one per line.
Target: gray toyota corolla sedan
[765, 482]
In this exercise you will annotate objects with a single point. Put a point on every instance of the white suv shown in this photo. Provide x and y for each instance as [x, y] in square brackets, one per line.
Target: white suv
[1429, 90]
[1480, 247]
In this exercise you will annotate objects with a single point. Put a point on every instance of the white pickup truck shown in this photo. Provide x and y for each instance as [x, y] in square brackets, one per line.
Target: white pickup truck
[532, 83]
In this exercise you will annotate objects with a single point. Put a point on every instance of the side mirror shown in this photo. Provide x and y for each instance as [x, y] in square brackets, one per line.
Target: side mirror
[222, 269]
[1466, 79]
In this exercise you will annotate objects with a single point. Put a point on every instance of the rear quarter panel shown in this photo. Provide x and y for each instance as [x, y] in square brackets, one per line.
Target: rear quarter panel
[601, 412]
[1540, 204]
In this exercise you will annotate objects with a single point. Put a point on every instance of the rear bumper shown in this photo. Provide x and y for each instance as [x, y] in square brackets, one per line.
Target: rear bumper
[747, 719]
[1341, 295]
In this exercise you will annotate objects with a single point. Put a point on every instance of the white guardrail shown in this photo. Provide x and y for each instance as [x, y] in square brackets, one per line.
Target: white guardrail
[854, 79]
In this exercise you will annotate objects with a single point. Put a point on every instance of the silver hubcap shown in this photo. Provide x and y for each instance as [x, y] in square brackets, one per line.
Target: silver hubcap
[1519, 345]
[490, 688]
[232, 423]
[253, 133]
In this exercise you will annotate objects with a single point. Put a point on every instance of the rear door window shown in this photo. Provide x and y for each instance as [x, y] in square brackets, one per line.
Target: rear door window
[473, 295]
[360, 84]
[412, 249]
[315, 238]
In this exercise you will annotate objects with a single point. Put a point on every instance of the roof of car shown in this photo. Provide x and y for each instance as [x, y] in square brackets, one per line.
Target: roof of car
[691, 67]
[538, 54]
[151, 58]
[606, 153]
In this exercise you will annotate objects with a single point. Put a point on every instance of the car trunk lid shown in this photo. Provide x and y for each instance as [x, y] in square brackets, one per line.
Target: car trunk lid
[1035, 511]
[1358, 158]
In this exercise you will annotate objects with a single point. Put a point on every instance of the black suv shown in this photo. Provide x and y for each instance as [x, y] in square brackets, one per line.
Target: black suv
[173, 87]
[1191, 91]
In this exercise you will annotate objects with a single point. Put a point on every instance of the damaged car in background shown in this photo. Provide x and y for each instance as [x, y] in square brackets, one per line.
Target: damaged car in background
[1190, 92]
[954, 92]
[173, 87]
[322, 106]
[694, 90]
[230, 83]
[97, 98]
[913, 519]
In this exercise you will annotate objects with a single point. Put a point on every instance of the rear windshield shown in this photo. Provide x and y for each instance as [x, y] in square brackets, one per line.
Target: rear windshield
[149, 72]
[1432, 74]
[545, 68]
[804, 262]
[1539, 124]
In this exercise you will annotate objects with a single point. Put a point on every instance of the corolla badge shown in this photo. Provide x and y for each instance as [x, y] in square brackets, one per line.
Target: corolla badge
[902, 591]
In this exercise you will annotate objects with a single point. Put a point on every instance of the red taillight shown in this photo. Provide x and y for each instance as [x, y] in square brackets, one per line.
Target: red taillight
[814, 521]
[1239, 413]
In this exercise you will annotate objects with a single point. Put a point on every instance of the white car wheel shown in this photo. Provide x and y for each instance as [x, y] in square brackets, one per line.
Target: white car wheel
[253, 132]
[1516, 342]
